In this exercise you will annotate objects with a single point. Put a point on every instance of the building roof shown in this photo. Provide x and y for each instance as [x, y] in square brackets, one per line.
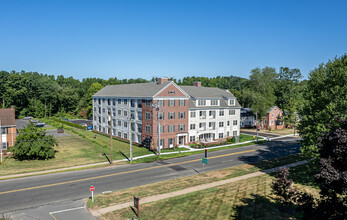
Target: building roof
[149, 90]
[273, 108]
[145, 90]
[7, 117]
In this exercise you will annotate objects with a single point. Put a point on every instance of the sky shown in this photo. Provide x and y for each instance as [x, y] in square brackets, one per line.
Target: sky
[169, 38]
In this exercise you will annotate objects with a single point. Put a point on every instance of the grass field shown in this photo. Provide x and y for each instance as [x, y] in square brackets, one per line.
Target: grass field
[181, 183]
[245, 199]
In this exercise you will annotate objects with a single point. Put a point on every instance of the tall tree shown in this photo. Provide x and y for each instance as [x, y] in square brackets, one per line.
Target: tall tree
[325, 99]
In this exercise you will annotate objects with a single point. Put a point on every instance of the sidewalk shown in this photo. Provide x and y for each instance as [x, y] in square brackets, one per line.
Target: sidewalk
[155, 198]
[117, 161]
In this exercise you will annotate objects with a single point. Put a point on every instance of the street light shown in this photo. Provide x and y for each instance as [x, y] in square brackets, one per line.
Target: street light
[110, 119]
[156, 107]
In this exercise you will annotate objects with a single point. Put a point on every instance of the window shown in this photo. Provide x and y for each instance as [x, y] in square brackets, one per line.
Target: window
[182, 103]
[202, 114]
[228, 123]
[231, 101]
[114, 122]
[221, 112]
[148, 102]
[119, 123]
[132, 103]
[272, 115]
[148, 128]
[181, 115]
[4, 145]
[4, 130]
[192, 127]
[214, 102]
[148, 115]
[119, 134]
[125, 101]
[220, 135]
[113, 102]
[171, 92]
[193, 114]
[119, 112]
[235, 122]
[103, 101]
[119, 101]
[181, 127]
[221, 124]
[228, 133]
[192, 138]
[125, 113]
[139, 103]
[162, 143]
[125, 135]
[103, 120]
[161, 103]
[171, 142]
[99, 110]
[132, 114]
[232, 112]
[171, 128]
[161, 116]
[125, 124]
[171, 115]
[171, 103]
[103, 110]
[99, 101]
[234, 133]
[139, 128]
[264, 121]
[108, 102]
[202, 102]
[212, 124]
[161, 129]
[114, 112]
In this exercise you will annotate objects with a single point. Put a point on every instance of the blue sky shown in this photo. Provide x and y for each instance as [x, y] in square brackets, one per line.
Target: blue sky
[174, 38]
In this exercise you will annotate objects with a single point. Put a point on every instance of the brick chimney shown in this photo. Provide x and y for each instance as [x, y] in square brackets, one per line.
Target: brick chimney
[197, 84]
[162, 80]
[13, 109]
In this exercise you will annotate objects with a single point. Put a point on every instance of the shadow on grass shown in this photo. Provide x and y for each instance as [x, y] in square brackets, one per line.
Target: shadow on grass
[281, 153]
[124, 155]
[263, 207]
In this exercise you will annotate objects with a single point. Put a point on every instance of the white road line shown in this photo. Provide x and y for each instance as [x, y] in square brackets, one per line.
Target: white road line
[66, 210]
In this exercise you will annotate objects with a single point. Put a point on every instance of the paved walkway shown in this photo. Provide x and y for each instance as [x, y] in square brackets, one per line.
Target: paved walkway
[154, 198]
[116, 161]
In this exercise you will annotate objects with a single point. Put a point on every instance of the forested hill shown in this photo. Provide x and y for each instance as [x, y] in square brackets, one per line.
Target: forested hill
[37, 94]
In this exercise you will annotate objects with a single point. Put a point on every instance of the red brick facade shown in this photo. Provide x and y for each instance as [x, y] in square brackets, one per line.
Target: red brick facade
[272, 120]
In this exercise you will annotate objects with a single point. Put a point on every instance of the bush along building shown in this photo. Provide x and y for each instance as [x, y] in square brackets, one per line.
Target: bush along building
[187, 114]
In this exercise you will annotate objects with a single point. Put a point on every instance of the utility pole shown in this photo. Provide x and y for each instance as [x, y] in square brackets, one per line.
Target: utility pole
[156, 106]
[45, 109]
[131, 139]
[111, 137]
[256, 115]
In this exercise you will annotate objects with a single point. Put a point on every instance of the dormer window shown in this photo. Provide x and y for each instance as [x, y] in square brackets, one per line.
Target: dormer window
[202, 102]
[231, 101]
[214, 102]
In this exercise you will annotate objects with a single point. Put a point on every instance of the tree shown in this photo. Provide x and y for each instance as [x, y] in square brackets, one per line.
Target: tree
[260, 91]
[94, 88]
[33, 143]
[332, 178]
[325, 99]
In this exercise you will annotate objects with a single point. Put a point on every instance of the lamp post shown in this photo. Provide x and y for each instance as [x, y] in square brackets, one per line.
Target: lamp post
[156, 107]
[111, 156]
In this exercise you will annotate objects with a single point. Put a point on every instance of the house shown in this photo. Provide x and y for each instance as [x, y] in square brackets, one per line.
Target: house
[247, 118]
[273, 119]
[186, 114]
[7, 127]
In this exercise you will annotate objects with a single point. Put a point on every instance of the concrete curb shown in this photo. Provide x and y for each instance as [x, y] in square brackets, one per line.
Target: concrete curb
[154, 198]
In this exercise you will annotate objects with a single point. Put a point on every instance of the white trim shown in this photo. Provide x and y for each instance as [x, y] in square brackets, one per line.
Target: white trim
[172, 83]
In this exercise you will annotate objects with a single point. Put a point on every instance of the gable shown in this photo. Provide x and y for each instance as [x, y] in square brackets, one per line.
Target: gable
[171, 90]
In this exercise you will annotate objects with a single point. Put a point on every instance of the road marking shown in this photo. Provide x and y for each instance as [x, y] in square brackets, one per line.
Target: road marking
[66, 210]
[53, 217]
[125, 172]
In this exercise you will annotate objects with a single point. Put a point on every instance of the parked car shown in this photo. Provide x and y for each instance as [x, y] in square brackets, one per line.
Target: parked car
[27, 118]
[40, 124]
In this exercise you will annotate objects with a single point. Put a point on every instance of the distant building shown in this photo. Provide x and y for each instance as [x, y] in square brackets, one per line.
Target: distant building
[187, 113]
[7, 127]
[273, 119]
[247, 118]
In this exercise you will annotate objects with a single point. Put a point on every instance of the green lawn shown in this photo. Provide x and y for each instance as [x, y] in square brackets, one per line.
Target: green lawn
[245, 199]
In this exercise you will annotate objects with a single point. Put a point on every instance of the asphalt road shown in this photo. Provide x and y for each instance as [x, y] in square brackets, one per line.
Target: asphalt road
[36, 191]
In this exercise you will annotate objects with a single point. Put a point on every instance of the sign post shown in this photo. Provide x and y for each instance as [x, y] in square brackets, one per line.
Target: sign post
[92, 188]
[137, 205]
[204, 161]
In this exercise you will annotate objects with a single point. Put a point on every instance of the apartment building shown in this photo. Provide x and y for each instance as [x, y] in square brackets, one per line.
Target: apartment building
[8, 129]
[186, 113]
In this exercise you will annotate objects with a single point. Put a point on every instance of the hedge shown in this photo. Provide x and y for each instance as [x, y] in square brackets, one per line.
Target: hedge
[70, 123]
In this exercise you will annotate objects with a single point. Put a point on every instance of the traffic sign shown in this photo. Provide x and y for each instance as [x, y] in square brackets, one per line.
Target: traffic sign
[92, 188]
[204, 160]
